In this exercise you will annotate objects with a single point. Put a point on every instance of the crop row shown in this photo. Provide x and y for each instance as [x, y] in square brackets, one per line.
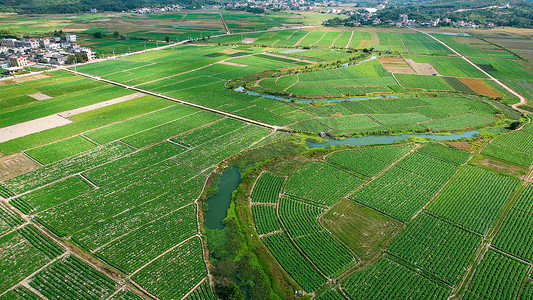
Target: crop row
[215, 150]
[68, 166]
[473, 198]
[316, 244]
[389, 280]
[314, 181]
[516, 234]
[8, 219]
[437, 247]
[427, 167]
[293, 262]
[298, 217]
[267, 188]
[446, 153]
[397, 193]
[175, 273]
[107, 201]
[39, 241]
[70, 278]
[202, 292]
[18, 259]
[51, 195]
[265, 218]
[369, 161]
[138, 216]
[141, 245]
[497, 277]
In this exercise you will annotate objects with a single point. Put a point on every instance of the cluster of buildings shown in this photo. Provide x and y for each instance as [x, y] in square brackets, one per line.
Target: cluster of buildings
[302, 5]
[154, 10]
[16, 54]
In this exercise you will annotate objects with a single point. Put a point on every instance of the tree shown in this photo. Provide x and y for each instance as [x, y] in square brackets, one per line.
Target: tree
[116, 34]
[98, 35]
[167, 38]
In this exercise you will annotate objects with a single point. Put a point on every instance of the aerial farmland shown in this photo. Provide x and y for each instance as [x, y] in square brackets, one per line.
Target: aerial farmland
[268, 157]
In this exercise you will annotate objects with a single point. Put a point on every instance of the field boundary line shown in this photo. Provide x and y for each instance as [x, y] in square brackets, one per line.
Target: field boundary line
[314, 44]
[349, 40]
[137, 228]
[300, 40]
[161, 255]
[24, 282]
[461, 287]
[89, 139]
[88, 181]
[371, 179]
[224, 23]
[397, 81]
[194, 288]
[333, 43]
[209, 109]
[443, 186]
[33, 159]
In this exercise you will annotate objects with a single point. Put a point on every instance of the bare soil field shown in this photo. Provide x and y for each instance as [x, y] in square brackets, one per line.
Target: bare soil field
[396, 65]
[70, 113]
[26, 128]
[422, 68]
[16, 164]
[40, 96]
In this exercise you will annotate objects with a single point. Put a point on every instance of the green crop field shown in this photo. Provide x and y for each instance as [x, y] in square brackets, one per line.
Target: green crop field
[364, 162]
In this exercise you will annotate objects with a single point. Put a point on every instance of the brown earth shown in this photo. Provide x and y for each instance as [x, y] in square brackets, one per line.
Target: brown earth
[15, 164]
[481, 87]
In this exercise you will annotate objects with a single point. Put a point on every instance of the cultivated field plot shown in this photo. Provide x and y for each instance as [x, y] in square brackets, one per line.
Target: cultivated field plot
[515, 147]
[153, 152]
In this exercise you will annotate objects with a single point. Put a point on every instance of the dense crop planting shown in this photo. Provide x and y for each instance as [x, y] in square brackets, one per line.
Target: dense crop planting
[293, 262]
[390, 280]
[135, 162]
[515, 147]
[51, 195]
[68, 166]
[473, 198]
[305, 183]
[18, 259]
[369, 161]
[70, 278]
[437, 247]
[174, 274]
[8, 219]
[516, 234]
[446, 153]
[298, 217]
[107, 201]
[62, 149]
[39, 241]
[202, 292]
[497, 277]
[315, 245]
[140, 246]
[267, 188]
[265, 218]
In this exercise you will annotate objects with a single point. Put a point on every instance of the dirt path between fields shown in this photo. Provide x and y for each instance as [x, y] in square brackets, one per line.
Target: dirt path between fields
[522, 99]
[290, 58]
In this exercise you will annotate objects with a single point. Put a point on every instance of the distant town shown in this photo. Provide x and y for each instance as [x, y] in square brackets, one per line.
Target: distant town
[17, 54]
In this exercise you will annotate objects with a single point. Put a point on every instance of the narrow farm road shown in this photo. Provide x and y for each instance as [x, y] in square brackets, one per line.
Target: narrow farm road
[213, 110]
[503, 85]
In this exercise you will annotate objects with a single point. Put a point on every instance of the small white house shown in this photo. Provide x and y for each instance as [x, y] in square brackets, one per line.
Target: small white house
[71, 38]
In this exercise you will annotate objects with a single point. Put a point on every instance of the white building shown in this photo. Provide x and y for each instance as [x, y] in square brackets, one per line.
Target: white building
[70, 38]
